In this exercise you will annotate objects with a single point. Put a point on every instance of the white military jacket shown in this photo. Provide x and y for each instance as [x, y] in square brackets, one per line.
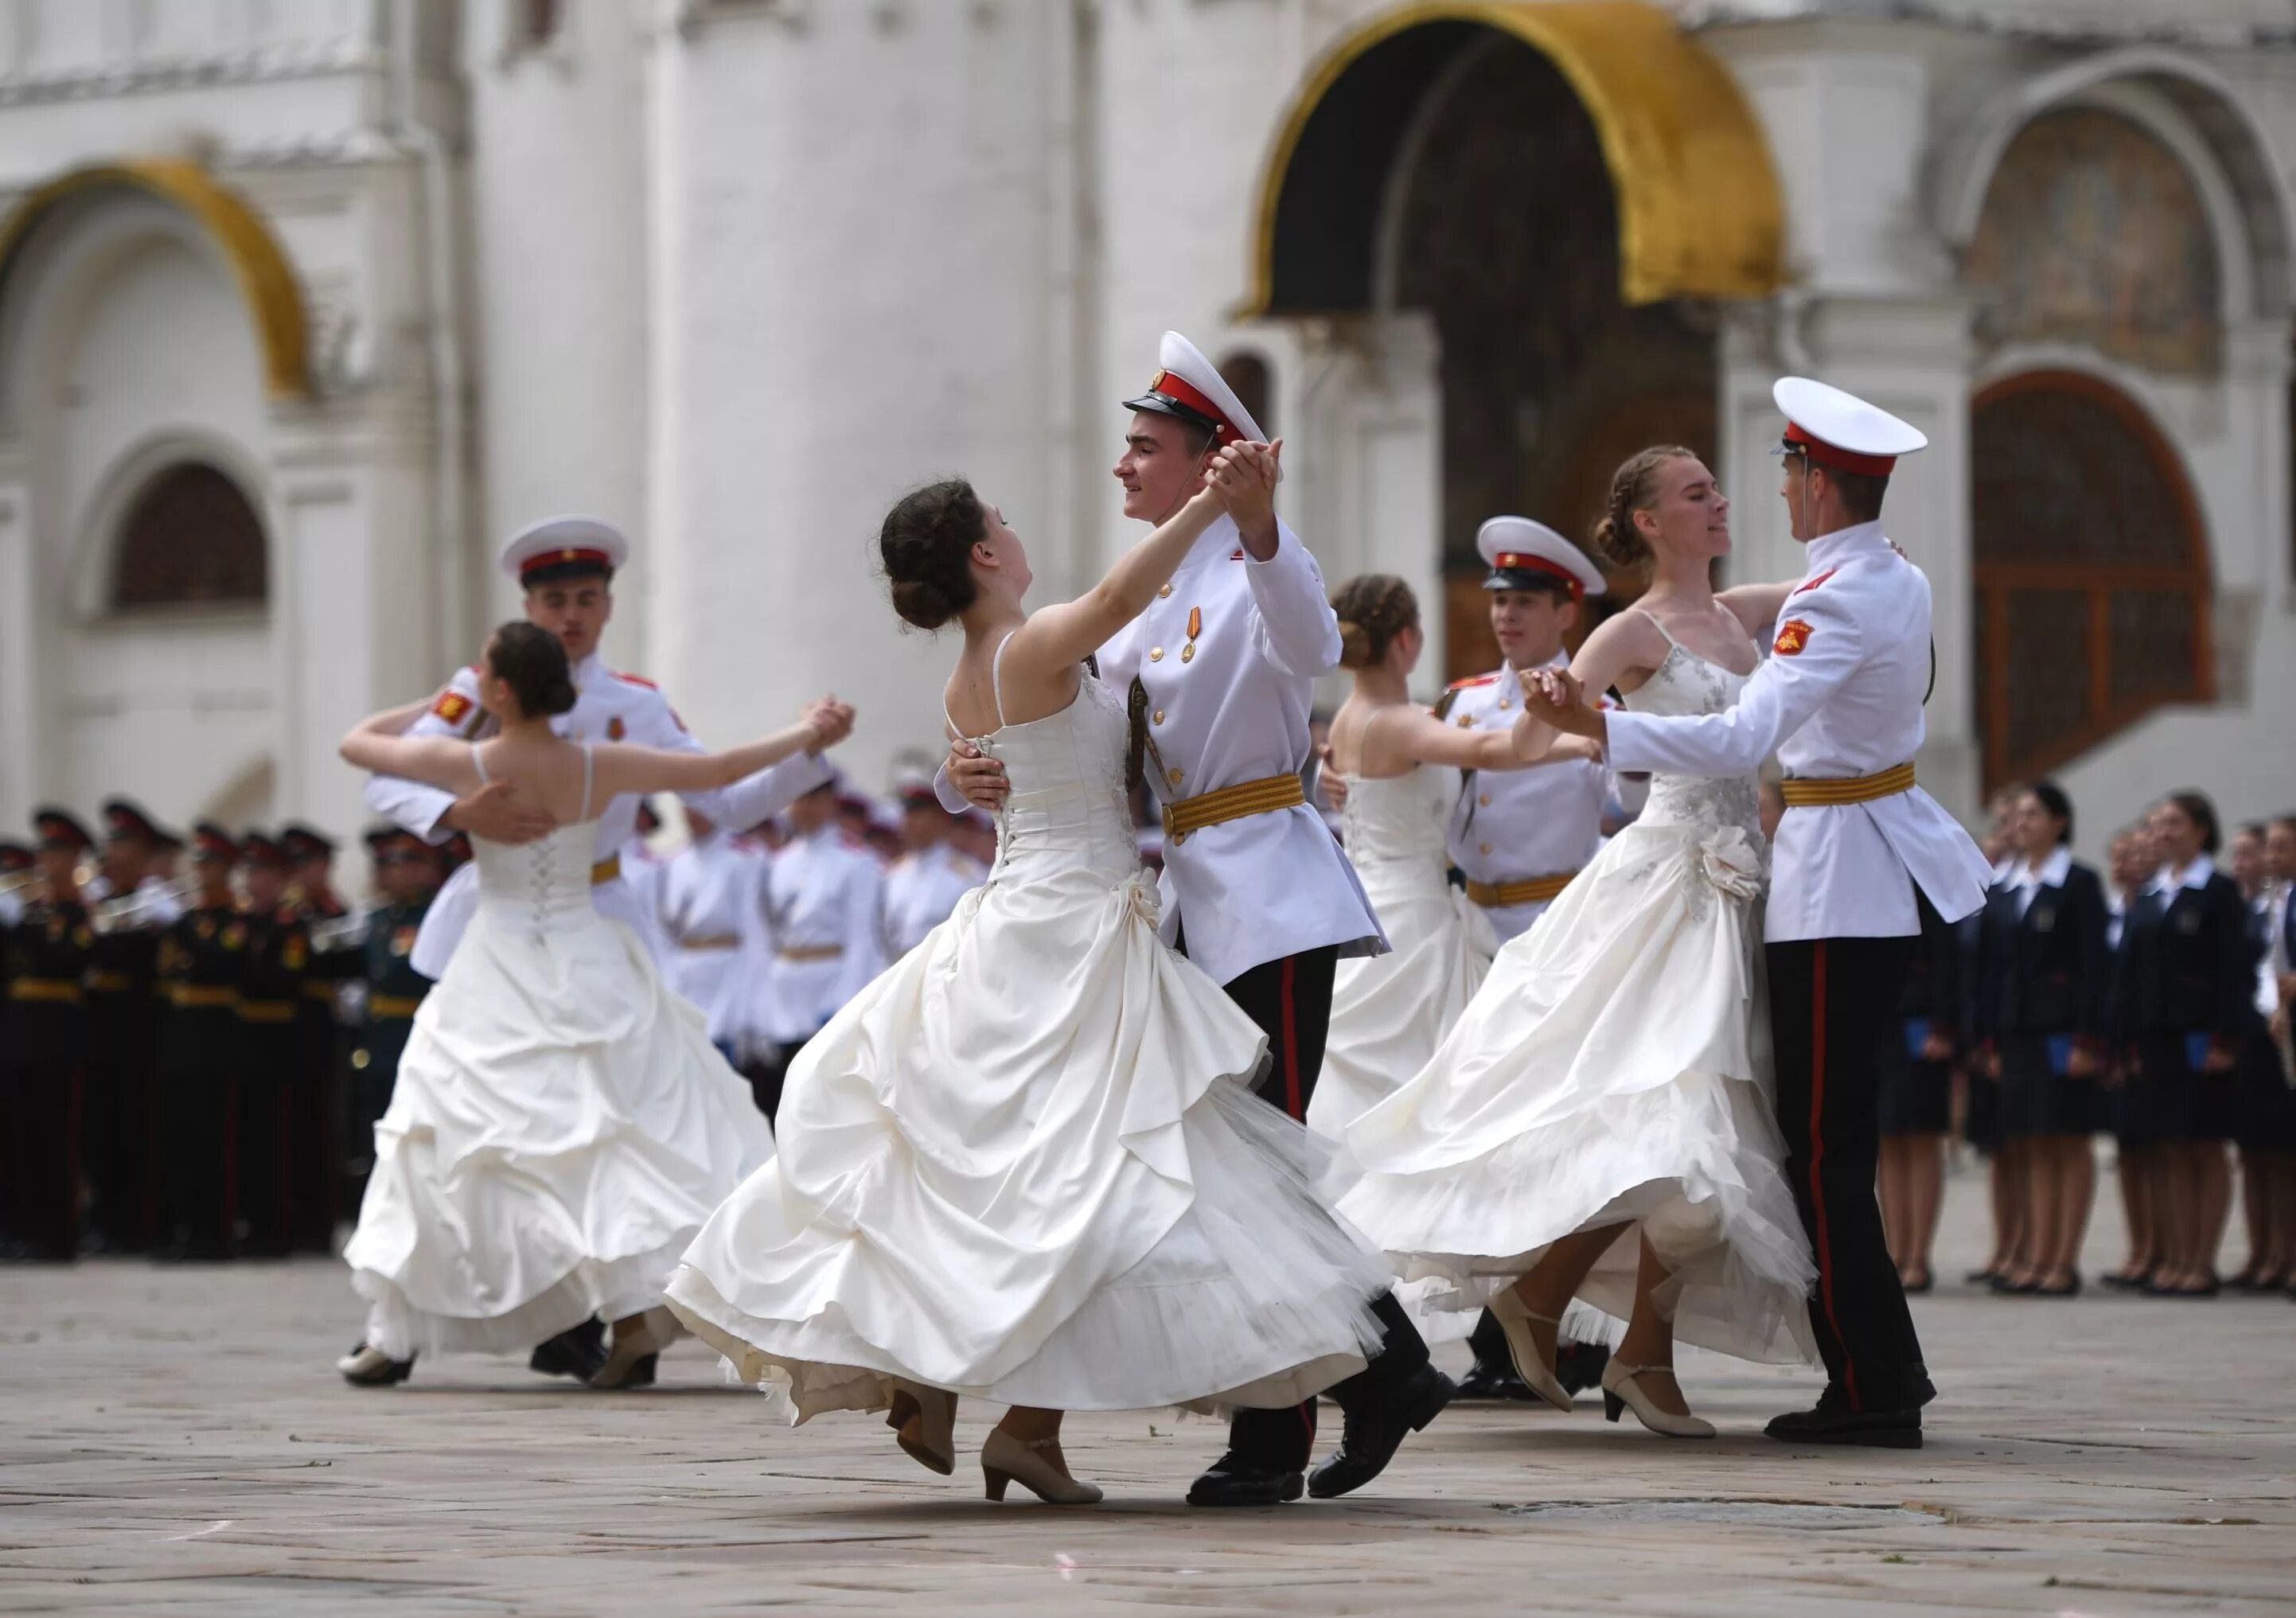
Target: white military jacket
[920, 890]
[1840, 695]
[822, 899]
[1228, 705]
[1512, 824]
[608, 707]
[711, 904]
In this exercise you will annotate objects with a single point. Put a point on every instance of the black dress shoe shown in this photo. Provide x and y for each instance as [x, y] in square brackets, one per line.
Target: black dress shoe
[1834, 1423]
[1579, 1366]
[1375, 1431]
[1916, 1289]
[2007, 1288]
[1489, 1384]
[1981, 1277]
[2118, 1282]
[370, 1367]
[1233, 1482]
[2070, 1289]
[642, 1373]
[578, 1352]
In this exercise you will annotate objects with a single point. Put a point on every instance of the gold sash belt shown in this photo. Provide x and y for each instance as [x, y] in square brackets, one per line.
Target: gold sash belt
[707, 942]
[811, 952]
[391, 1005]
[188, 995]
[267, 1011]
[320, 988]
[112, 982]
[62, 990]
[1226, 803]
[606, 869]
[1812, 791]
[1530, 891]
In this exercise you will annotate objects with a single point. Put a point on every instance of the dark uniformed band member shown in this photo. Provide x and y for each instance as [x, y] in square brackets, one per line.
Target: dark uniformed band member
[134, 905]
[43, 1047]
[1916, 1099]
[202, 958]
[316, 1105]
[407, 872]
[271, 1068]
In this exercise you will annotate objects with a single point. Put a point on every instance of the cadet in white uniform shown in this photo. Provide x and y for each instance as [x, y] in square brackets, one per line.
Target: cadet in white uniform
[1839, 700]
[566, 566]
[923, 886]
[711, 907]
[823, 894]
[1255, 890]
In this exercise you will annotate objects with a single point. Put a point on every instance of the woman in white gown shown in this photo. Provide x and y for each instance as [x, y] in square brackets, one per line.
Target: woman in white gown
[562, 1125]
[1598, 1123]
[1023, 1165]
[1399, 769]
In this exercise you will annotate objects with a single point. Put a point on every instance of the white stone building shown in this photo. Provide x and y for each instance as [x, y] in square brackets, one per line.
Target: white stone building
[305, 303]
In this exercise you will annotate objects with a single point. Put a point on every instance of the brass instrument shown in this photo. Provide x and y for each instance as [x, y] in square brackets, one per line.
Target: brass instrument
[129, 912]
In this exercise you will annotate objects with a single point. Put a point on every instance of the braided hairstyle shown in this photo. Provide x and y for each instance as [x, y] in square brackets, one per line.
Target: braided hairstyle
[1634, 488]
[1373, 609]
[925, 543]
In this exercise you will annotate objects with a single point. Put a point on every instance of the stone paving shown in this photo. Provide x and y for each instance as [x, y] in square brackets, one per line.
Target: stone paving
[174, 1442]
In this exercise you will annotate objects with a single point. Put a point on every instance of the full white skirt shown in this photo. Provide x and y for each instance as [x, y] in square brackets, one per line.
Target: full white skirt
[1614, 1066]
[1020, 1166]
[560, 1130]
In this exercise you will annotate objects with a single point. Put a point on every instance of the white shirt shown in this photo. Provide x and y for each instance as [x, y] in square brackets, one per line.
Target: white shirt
[2168, 879]
[1840, 695]
[609, 706]
[2025, 879]
[921, 890]
[1512, 824]
[712, 911]
[822, 899]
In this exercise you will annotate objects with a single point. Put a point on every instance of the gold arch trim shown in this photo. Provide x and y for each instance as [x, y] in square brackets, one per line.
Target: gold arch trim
[274, 302]
[1699, 210]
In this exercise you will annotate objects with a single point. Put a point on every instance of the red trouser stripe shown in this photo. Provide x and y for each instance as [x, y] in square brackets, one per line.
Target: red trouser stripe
[1292, 1102]
[1818, 1162]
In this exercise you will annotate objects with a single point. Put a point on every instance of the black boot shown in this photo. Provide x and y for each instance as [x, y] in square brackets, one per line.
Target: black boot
[1833, 1422]
[1376, 1430]
[1493, 1376]
[1578, 1366]
[577, 1352]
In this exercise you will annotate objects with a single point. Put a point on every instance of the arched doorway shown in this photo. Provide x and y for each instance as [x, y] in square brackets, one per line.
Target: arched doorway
[1559, 190]
[2091, 570]
[191, 541]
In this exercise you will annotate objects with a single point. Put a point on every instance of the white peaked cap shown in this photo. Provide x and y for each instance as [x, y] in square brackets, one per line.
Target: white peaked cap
[1188, 386]
[1840, 431]
[561, 539]
[1520, 551]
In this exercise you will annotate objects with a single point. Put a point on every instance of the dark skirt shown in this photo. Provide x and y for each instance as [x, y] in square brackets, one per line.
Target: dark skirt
[2169, 1099]
[2268, 1101]
[2037, 1100]
[1915, 1096]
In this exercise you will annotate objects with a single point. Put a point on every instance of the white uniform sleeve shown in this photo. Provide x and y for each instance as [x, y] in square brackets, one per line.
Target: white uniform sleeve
[1293, 621]
[1785, 691]
[865, 943]
[754, 798]
[954, 802]
[412, 804]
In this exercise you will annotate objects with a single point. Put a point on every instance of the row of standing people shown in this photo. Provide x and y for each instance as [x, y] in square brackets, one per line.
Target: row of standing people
[2145, 1003]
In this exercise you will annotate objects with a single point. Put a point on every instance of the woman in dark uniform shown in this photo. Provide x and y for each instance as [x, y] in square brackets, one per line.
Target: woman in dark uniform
[2185, 1010]
[1915, 1103]
[2042, 976]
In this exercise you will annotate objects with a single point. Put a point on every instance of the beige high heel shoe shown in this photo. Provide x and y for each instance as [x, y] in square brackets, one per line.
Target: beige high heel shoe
[1004, 1459]
[1620, 1394]
[632, 1350]
[1515, 1319]
[925, 1423]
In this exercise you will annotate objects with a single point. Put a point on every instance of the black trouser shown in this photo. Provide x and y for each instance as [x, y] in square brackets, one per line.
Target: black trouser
[1290, 999]
[265, 1193]
[767, 1075]
[314, 1131]
[1831, 1003]
[116, 1123]
[39, 1180]
[198, 1153]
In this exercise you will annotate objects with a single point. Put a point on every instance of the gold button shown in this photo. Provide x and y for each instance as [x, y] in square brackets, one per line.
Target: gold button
[1505, 704]
[1167, 590]
[1188, 653]
[1486, 848]
[1155, 654]
[1467, 721]
[1160, 716]
[1485, 800]
[1173, 776]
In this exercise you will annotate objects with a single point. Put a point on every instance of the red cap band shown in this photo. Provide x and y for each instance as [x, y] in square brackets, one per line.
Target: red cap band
[1516, 562]
[1840, 459]
[1171, 387]
[559, 558]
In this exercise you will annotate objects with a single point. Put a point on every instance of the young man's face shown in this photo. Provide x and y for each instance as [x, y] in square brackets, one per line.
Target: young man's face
[577, 610]
[266, 885]
[405, 874]
[2280, 850]
[1530, 624]
[1159, 470]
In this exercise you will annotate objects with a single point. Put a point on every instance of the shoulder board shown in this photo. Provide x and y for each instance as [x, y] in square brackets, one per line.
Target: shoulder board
[1474, 679]
[636, 679]
[1811, 584]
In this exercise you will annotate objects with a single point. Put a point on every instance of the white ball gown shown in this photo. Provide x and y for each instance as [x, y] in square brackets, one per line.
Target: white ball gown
[1389, 1011]
[1614, 1066]
[560, 1128]
[1020, 1165]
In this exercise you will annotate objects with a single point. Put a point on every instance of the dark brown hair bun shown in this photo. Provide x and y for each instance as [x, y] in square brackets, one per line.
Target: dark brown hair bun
[1373, 609]
[925, 543]
[1634, 488]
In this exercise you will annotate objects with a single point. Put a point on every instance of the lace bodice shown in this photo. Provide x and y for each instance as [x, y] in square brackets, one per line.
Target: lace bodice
[1688, 684]
[1398, 826]
[1067, 809]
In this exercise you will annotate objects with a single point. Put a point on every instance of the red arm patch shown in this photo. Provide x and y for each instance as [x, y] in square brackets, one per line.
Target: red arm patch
[452, 706]
[1793, 635]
